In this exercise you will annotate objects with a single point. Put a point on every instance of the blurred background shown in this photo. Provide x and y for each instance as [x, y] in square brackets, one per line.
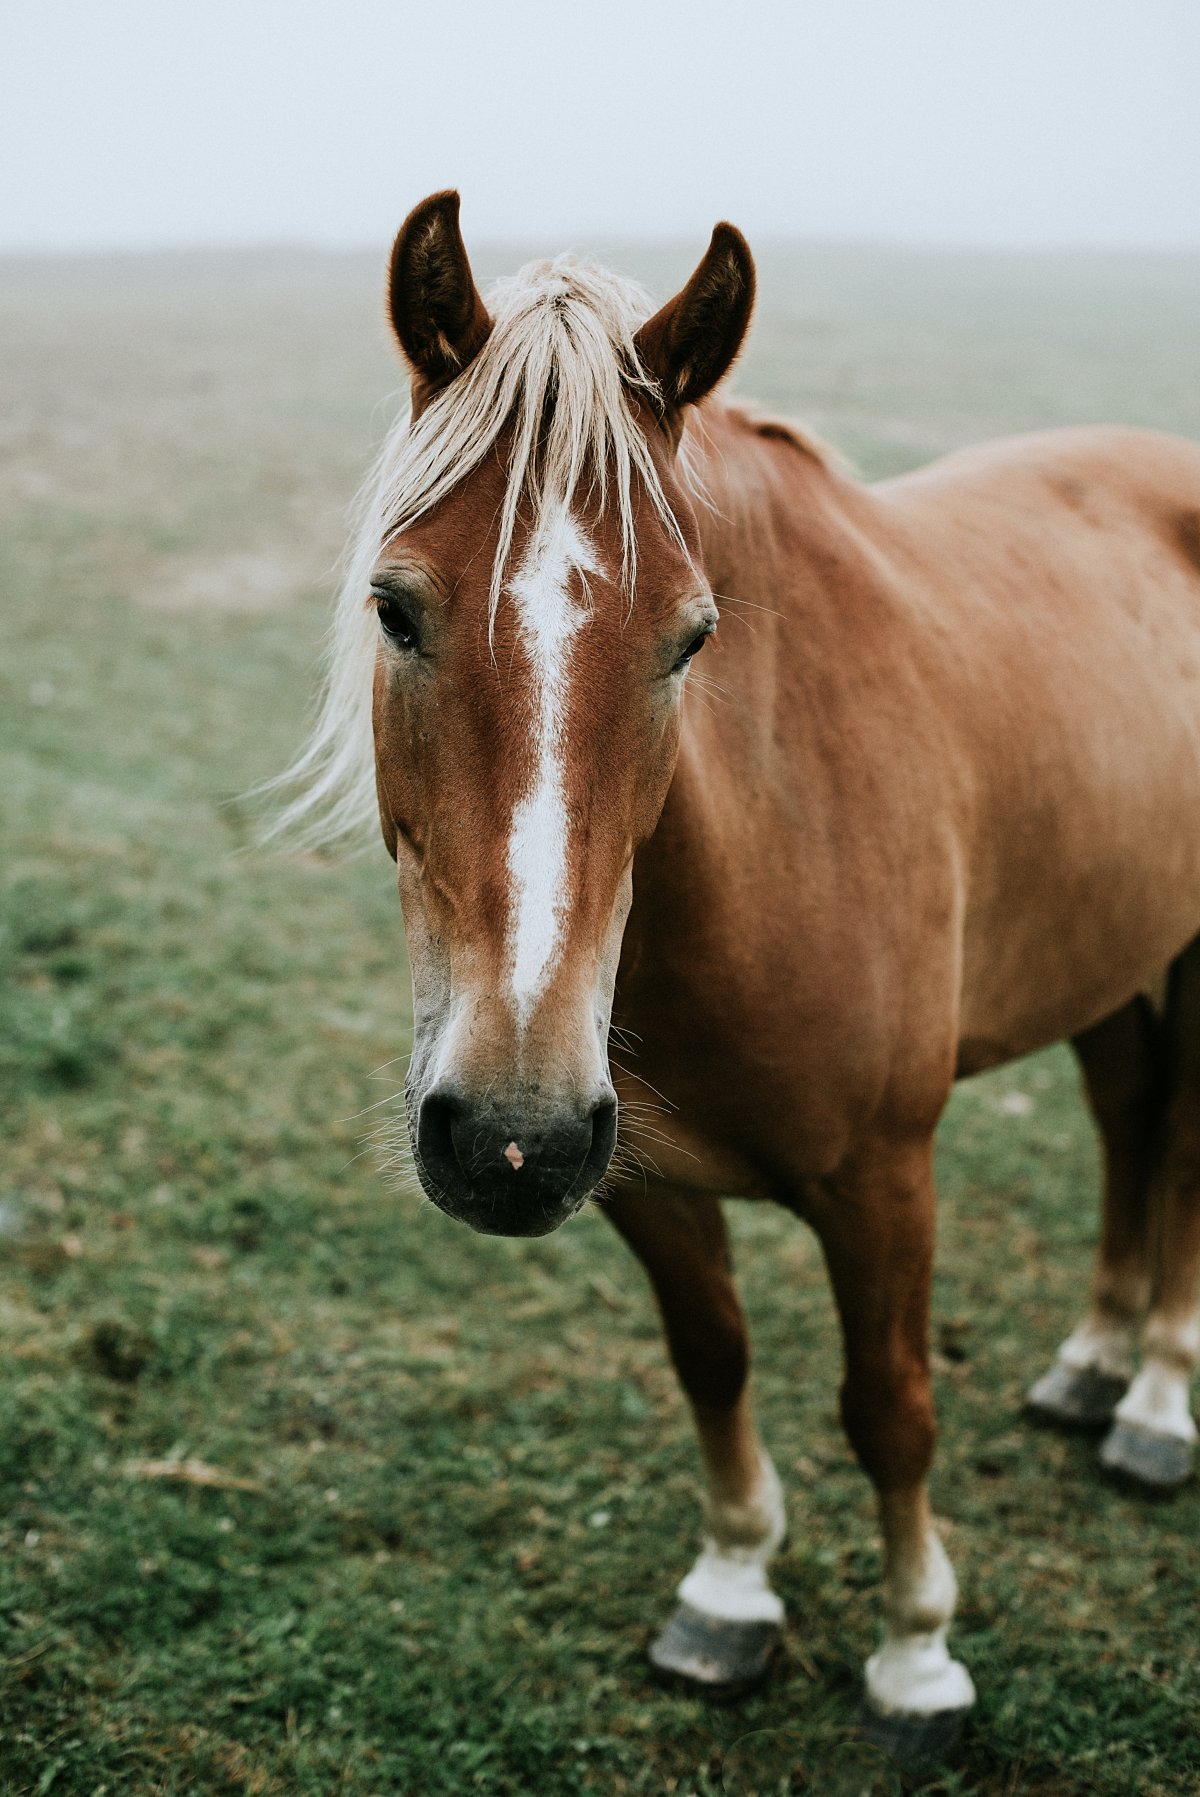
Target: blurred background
[142, 125]
[304, 1488]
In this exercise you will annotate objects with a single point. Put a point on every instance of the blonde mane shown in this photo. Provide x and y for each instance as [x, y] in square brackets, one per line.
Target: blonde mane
[556, 371]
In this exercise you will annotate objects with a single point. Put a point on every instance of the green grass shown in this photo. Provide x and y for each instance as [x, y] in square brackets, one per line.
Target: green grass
[465, 1481]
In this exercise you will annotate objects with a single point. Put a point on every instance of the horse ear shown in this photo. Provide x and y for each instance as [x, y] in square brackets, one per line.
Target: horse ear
[688, 345]
[439, 319]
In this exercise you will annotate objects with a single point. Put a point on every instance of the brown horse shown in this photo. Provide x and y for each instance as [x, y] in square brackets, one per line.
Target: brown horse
[945, 809]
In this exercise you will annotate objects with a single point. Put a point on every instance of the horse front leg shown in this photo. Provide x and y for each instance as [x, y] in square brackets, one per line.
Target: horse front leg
[876, 1225]
[729, 1621]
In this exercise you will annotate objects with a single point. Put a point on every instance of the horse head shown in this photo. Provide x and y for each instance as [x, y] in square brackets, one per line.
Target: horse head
[535, 598]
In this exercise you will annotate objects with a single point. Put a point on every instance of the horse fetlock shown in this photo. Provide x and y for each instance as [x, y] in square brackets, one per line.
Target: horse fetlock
[1173, 1344]
[1121, 1292]
[919, 1588]
[913, 1672]
[729, 1579]
[754, 1522]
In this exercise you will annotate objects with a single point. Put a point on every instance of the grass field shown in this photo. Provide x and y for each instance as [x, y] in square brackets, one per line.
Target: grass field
[454, 1481]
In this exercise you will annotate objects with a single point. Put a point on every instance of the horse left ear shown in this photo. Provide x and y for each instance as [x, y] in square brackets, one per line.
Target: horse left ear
[688, 345]
[439, 319]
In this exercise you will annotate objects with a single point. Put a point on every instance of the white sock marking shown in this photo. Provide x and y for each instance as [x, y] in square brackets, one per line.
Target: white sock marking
[914, 1675]
[730, 1582]
[1158, 1401]
[1099, 1344]
[537, 847]
[913, 1672]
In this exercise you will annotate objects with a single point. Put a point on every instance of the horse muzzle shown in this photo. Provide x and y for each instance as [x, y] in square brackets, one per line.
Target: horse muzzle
[512, 1168]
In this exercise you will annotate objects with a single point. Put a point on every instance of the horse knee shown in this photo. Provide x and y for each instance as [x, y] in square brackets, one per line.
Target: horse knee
[887, 1413]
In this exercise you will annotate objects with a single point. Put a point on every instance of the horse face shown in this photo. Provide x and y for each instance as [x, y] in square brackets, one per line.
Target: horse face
[526, 702]
[520, 761]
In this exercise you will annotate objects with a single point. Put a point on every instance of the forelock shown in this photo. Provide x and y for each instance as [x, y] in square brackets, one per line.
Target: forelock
[557, 374]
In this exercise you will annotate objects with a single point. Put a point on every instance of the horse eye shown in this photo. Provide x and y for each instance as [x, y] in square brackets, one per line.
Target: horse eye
[694, 647]
[395, 622]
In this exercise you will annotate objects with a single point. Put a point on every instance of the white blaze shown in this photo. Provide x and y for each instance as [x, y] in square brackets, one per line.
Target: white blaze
[537, 847]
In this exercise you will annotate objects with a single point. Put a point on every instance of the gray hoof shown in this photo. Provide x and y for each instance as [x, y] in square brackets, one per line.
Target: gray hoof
[1154, 1463]
[915, 1744]
[1073, 1397]
[723, 1659]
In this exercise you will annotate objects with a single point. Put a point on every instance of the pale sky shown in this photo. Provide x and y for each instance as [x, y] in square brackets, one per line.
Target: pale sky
[146, 123]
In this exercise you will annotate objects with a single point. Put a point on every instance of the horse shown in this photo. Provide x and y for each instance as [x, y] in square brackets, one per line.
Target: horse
[945, 812]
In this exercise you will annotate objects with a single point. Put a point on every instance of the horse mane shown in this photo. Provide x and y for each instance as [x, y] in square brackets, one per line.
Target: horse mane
[556, 372]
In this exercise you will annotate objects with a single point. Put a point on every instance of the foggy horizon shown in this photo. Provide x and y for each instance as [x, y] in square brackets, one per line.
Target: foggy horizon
[486, 247]
[1015, 128]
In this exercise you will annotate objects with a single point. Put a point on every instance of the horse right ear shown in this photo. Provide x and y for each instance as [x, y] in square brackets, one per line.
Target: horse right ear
[439, 319]
[688, 345]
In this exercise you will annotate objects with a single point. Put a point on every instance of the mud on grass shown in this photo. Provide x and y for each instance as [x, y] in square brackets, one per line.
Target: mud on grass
[305, 1489]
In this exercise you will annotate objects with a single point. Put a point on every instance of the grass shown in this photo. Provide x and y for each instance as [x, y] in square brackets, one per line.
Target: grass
[456, 1483]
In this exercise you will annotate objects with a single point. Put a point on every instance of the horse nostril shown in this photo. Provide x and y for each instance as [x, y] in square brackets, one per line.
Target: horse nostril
[604, 1134]
[435, 1133]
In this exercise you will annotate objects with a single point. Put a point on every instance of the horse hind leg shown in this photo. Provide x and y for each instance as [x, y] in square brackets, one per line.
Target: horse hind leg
[1153, 1438]
[1121, 1060]
[729, 1621]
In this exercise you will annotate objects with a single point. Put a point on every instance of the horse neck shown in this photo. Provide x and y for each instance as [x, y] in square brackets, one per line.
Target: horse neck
[766, 495]
[798, 555]
[772, 750]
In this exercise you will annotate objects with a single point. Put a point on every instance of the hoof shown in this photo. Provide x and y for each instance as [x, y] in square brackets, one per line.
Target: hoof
[1154, 1463]
[1075, 1397]
[915, 1744]
[722, 1659]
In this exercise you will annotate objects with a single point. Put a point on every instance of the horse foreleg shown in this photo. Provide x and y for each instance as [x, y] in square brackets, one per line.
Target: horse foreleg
[876, 1226]
[729, 1620]
[1153, 1438]
[1121, 1063]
